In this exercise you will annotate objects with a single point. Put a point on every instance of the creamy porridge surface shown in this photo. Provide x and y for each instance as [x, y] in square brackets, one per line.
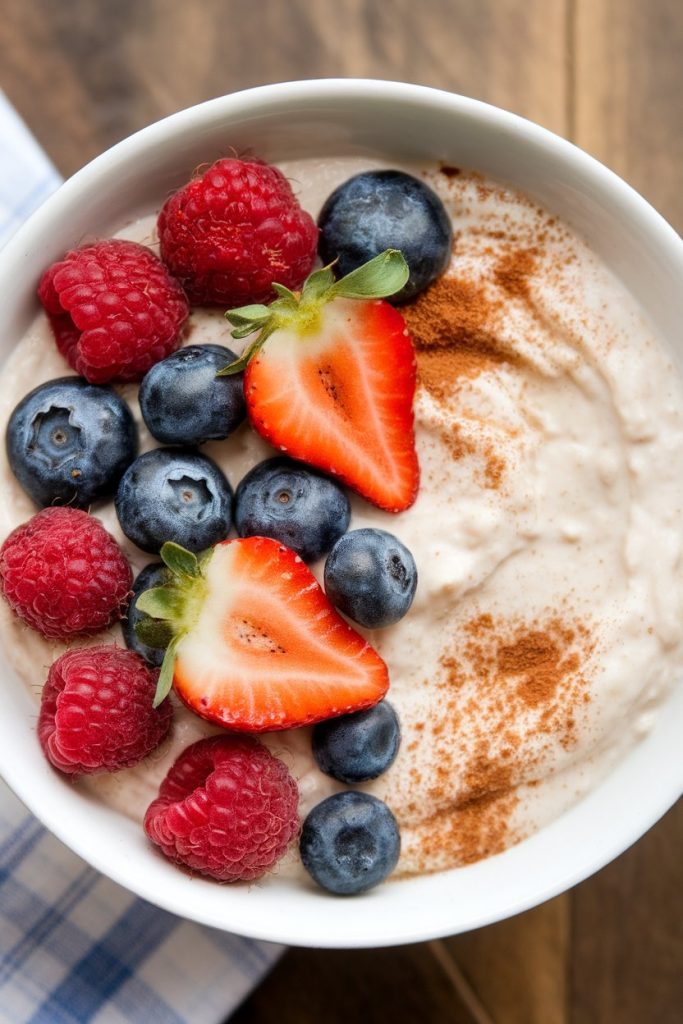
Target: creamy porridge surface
[548, 622]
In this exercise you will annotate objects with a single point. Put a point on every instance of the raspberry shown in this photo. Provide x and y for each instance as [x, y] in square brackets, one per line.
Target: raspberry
[96, 711]
[63, 574]
[114, 309]
[227, 809]
[228, 234]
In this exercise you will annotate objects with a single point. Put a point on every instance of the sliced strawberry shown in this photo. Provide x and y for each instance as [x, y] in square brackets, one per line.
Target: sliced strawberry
[343, 399]
[258, 646]
[331, 381]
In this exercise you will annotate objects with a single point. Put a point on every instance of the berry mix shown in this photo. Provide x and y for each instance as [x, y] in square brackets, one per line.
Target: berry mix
[238, 627]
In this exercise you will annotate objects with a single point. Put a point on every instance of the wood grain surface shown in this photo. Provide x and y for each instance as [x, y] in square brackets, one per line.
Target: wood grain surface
[607, 74]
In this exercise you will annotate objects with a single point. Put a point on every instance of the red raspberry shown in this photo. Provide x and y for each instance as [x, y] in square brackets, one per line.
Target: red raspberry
[227, 808]
[63, 574]
[228, 234]
[114, 309]
[96, 711]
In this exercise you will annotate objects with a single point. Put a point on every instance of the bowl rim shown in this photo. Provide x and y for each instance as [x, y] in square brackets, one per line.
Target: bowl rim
[294, 95]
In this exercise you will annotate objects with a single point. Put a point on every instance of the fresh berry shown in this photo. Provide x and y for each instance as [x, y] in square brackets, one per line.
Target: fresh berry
[96, 711]
[63, 574]
[171, 494]
[331, 378]
[153, 575]
[257, 645]
[227, 809]
[183, 401]
[69, 442]
[379, 210]
[291, 503]
[350, 843]
[231, 232]
[114, 309]
[359, 747]
[372, 577]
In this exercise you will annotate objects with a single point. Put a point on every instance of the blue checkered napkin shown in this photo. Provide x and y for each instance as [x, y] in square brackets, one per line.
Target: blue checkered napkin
[74, 947]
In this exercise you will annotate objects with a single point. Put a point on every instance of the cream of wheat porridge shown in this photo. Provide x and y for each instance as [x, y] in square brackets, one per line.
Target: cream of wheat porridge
[547, 626]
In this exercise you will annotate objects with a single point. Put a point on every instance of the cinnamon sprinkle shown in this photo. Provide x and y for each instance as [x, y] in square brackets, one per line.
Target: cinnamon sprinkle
[454, 325]
[509, 670]
[451, 327]
[513, 271]
[495, 468]
[536, 660]
[449, 171]
[470, 832]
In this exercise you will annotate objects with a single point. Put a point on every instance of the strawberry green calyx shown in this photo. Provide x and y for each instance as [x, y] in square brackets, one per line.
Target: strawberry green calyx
[172, 610]
[382, 276]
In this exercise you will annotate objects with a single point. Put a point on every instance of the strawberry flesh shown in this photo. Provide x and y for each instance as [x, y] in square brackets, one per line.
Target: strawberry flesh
[267, 650]
[341, 398]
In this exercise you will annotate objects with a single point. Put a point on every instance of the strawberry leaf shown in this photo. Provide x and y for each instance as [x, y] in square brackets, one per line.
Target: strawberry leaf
[241, 364]
[165, 680]
[241, 332]
[247, 315]
[317, 285]
[154, 632]
[178, 560]
[161, 602]
[285, 293]
[382, 276]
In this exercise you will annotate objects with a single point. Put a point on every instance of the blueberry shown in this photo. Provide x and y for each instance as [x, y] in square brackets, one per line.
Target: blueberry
[69, 442]
[153, 575]
[183, 401]
[358, 747]
[294, 504]
[371, 577]
[174, 494]
[349, 843]
[379, 210]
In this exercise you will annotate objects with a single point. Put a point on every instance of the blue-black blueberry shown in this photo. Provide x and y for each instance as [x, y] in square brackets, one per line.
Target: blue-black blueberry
[294, 504]
[174, 494]
[349, 843]
[183, 401]
[358, 747]
[153, 575]
[378, 210]
[371, 577]
[69, 442]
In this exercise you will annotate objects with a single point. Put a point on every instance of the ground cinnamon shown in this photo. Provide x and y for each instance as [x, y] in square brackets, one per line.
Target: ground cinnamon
[528, 665]
[497, 674]
[455, 326]
[536, 660]
[470, 832]
[451, 325]
[449, 171]
[514, 271]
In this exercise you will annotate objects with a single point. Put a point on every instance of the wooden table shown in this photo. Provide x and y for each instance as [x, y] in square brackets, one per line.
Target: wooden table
[607, 74]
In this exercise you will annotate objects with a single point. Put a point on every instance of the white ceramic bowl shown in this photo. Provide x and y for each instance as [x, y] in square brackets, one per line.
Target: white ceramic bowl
[404, 121]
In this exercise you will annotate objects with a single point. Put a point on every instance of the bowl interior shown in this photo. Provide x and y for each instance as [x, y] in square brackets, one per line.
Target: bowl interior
[407, 122]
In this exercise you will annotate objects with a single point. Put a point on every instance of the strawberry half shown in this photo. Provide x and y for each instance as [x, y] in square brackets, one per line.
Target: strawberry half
[256, 646]
[331, 379]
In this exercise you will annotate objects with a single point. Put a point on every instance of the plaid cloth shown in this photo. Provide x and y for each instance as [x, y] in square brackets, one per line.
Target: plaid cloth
[74, 947]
